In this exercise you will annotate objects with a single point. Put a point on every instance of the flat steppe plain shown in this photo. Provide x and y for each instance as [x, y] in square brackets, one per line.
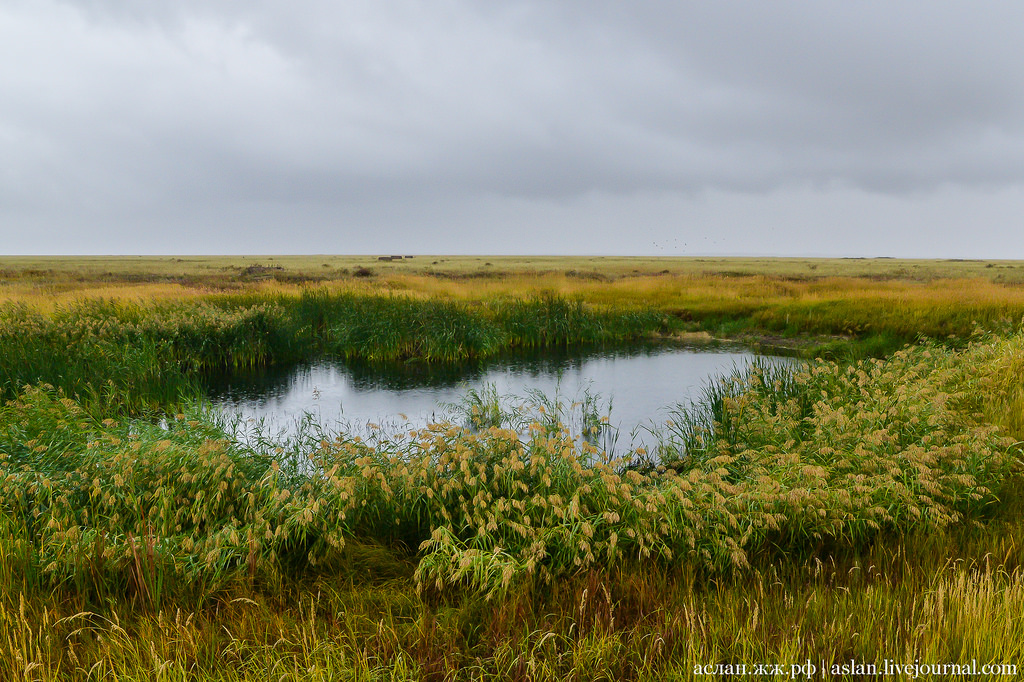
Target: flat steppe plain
[321, 267]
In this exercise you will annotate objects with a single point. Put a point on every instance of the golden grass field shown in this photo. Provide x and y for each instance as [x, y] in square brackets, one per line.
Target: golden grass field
[821, 299]
[862, 509]
[668, 283]
[609, 265]
[87, 271]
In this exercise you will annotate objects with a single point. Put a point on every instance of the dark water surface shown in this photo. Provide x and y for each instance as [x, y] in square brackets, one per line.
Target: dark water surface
[638, 384]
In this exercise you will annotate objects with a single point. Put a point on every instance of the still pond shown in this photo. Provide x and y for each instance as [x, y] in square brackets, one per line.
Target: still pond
[635, 388]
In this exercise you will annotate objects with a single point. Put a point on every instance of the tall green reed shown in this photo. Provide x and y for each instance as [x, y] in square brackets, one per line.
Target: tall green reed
[802, 458]
[825, 455]
[135, 357]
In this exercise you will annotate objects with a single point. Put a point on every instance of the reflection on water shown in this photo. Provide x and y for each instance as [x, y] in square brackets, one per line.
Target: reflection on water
[638, 384]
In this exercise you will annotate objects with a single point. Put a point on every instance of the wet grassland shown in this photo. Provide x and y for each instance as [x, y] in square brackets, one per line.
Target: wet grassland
[863, 504]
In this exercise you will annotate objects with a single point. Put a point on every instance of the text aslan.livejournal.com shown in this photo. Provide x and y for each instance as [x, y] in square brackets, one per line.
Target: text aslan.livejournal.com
[887, 667]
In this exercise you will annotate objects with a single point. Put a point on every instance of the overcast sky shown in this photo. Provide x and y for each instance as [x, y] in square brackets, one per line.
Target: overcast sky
[447, 126]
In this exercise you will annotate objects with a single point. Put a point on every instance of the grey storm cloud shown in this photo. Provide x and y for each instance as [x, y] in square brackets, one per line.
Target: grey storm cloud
[126, 109]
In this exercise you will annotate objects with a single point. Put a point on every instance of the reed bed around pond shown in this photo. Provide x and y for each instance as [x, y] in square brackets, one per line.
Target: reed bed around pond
[826, 457]
[151, 544]
[876, 305]
[134, 357]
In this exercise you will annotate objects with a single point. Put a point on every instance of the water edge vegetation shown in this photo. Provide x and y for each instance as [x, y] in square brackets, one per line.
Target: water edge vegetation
[842, 509]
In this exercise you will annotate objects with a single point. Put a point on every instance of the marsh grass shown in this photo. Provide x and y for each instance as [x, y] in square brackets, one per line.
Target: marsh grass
[842, 308]
[826, 510]
[149, 356]
[585, 416]
[630, 624]
[796, 458]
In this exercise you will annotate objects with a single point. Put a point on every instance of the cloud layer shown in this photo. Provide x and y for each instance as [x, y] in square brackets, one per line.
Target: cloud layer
[146, 126]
